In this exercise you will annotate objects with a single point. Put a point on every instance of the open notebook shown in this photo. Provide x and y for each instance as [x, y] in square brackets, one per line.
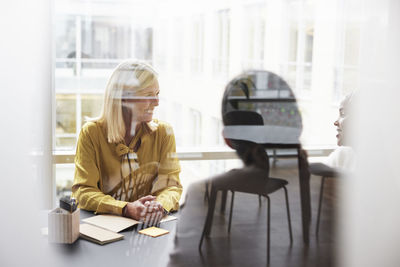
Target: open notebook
[111, 222]
[103, 229]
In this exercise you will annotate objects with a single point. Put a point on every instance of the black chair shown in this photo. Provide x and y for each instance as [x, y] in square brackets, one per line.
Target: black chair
[237, 117]
[320, 169]
[258, 98]
[253, 180]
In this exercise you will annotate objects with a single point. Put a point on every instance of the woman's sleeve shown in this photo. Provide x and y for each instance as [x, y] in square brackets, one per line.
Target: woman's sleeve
[87, 178]
[167, 187]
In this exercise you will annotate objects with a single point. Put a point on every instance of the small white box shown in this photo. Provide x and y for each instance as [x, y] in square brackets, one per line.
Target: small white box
[63, 226]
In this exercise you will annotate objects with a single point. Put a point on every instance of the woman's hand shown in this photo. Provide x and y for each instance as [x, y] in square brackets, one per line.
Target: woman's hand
[145, 209]
[154, 213]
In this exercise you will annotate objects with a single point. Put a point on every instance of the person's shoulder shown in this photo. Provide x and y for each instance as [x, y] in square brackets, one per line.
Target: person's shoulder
[160, 123]
[162, 127]
[343, 157]
[91, 128]
[344, 151]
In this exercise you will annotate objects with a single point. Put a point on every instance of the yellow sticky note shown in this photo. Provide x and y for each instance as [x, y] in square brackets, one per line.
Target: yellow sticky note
[153, 231]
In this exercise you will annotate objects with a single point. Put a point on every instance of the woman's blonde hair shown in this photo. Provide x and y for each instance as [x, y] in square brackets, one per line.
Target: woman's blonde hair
[128, 78]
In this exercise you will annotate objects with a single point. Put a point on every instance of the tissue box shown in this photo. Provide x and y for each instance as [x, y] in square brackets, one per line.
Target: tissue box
[63, 226]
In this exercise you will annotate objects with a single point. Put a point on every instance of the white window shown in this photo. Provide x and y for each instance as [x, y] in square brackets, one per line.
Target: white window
[222, 43]
[296, 66]
[253, 36]
[197, 55]
[178, 44]
[347, 54]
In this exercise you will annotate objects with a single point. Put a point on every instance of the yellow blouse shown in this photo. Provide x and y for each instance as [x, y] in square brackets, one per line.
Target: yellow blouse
[109, 175]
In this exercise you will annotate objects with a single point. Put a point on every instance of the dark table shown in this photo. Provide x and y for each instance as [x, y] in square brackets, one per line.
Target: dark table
[134, 250]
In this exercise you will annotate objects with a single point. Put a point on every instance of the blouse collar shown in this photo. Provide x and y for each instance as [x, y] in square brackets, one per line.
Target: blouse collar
[144, 129]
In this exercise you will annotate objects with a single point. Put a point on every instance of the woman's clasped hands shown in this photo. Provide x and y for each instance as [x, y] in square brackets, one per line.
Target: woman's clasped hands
[146, 209]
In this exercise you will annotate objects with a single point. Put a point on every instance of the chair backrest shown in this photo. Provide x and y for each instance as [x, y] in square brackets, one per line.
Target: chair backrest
[243, 117]
[249, 152]
[257, 98]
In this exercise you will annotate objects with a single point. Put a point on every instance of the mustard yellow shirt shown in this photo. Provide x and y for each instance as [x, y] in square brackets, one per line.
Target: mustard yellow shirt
[109, 175]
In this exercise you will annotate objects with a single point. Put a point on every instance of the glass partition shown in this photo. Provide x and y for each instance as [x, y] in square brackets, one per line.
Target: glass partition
[196, 50]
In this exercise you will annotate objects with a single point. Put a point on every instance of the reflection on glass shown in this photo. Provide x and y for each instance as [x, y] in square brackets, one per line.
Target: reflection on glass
[197, 44]
[260, 107]
[352, 45]
[345, 71]
[293, 35]
[91, 106]
[178, 32]
[300, 43]
[253, 40]
[309, 45]
[64, 179]
[104, 37]
[195, 127]
[65, 113]
[307, 77]
[65, 143]
[350, 80]
[291, 76]
[222, 36]
[65, 34]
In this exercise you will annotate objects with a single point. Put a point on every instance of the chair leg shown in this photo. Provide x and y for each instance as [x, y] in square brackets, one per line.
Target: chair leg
[321, 191]
[268, 227]
[210, 214]
[274, 158]
[288, 215]
[223, 200]
[230, 213]
[259, 200]
[206, 193]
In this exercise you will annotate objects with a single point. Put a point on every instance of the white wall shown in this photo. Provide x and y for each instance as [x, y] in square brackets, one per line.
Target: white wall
[25, 115]
[370, 225]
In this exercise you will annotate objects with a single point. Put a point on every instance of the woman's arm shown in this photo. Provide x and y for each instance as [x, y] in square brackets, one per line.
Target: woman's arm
[167, 186]
[87, 178]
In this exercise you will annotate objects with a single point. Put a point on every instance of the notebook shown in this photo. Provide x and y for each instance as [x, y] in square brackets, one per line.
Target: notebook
[117, 223]
[103, 229]
[98, 235]
[111, 222]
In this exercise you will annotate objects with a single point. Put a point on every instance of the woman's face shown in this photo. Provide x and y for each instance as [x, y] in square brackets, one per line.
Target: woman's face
[143, 104]
[340, 124]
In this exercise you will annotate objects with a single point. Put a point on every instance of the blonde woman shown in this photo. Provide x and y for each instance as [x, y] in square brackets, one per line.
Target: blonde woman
[125, 160]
